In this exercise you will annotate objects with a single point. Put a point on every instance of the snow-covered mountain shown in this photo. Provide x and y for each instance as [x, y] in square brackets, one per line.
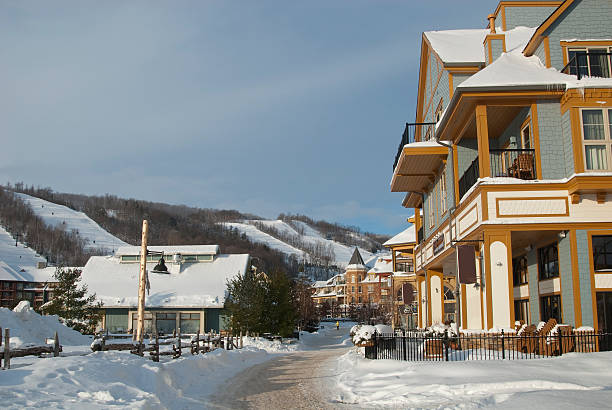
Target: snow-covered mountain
[58, 215]
[298, 238]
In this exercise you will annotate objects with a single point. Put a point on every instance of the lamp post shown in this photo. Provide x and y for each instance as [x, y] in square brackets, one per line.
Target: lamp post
[142, 282]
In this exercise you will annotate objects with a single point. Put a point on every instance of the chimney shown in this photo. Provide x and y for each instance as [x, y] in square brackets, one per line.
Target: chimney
[494, 44]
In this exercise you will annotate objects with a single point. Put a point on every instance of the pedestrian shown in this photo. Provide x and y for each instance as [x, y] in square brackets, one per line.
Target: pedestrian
[337, 325]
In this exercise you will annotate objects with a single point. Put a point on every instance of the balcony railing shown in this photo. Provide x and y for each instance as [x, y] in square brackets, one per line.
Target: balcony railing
[426, 130]
[469, 178]
[591, 64]
[515, 163]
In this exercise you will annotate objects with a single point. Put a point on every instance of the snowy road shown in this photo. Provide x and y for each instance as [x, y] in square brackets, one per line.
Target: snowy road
[299, 380]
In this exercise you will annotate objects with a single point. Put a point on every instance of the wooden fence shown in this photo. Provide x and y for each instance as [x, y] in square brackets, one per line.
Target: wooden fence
[7, 353]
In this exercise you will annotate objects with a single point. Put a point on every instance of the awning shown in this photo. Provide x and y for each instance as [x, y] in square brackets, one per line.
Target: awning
[417, 166]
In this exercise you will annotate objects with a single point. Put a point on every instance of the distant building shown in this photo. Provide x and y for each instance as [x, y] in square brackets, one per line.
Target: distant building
[190, 296]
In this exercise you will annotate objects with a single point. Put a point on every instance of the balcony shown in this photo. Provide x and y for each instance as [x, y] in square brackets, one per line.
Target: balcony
[423, 129]
[512, 163]
[589, 64]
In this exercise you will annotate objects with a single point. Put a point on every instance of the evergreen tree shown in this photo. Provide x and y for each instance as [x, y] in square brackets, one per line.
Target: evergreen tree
[245, 301]
[71, 302]
[281, 313]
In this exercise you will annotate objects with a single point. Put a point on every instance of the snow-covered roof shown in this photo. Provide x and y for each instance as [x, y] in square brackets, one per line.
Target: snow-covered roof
[466, 46]
[170, 250]
[26, 274]
[384, 264]
[408, 235]
[199, 284]
[514, 70]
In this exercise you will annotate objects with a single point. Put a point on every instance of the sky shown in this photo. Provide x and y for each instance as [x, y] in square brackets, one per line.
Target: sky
[260, 106]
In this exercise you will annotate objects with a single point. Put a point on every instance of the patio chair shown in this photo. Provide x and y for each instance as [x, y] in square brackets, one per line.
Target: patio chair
[544, 347]
[526, 340]
[524, 166]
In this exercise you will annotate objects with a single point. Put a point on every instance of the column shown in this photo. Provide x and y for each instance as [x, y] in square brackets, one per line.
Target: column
[498, 271]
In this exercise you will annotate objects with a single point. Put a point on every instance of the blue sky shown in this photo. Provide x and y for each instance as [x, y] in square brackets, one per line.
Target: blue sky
[265, 107]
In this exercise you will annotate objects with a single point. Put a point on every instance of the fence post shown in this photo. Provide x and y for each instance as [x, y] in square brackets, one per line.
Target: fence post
[560, 340]
[445, 342]
[503, 345]
[56, 345]
[404, 344]
[375, 345]
[7, 349]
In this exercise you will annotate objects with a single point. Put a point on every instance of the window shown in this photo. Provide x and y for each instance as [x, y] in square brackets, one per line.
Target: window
[548, 261]
[526, 136]
[591, 62]
[602, 252]
[448, 293]
[438, 114]
[521, 310]
[550, 307]
[520, 274]
[430, 209]
[597, 139]
[352, 289]
[205, 258]
[359, 288]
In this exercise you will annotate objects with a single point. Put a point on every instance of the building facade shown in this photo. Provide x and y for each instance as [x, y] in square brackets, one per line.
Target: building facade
[511, 155]
[188, 296]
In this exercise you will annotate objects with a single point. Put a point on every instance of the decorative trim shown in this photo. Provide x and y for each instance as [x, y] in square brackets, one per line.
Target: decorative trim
[536, 139]
[498, 200]
[465, 214]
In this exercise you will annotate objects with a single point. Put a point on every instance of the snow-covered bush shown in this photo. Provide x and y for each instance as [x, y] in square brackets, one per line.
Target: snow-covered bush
[363, 334]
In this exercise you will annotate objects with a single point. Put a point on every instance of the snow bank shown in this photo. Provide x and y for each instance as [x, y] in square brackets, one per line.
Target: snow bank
[120, 379]
[573, 380]
[29, 328]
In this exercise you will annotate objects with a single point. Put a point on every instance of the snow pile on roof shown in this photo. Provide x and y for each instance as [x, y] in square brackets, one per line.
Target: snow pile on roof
[408, 235]
[170, 250]
[29, 328]
[513, 69]
[466, 46]
[61, 216]
[199, 284]
[384, 264]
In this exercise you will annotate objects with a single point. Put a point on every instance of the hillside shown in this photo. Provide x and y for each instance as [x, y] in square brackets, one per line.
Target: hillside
[56, 215]
[107, 221]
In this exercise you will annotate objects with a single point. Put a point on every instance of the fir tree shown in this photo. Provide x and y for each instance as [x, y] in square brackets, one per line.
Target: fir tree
[71, 302]
[280, 310]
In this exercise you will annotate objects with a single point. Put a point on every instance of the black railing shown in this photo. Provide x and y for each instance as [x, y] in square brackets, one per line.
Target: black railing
[591, 64]
[515, 163]
[425, 129]
[469, 178]
[420, 346]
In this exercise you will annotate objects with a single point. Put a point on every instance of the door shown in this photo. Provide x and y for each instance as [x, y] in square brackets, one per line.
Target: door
[604, 319]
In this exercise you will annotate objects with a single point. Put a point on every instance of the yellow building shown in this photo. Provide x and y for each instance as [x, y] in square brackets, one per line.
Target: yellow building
[509, 160]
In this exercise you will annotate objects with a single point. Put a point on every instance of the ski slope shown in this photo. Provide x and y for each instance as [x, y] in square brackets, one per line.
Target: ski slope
[310, 237]
[19, 262]
[61, 216]
[257, 236]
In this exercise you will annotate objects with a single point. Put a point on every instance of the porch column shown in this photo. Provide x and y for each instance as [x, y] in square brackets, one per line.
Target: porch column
[498, 279]
[421, 303]
[436, 296]
[482, 132]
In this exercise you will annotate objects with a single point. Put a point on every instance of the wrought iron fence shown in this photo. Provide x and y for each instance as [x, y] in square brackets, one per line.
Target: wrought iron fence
[469, 178]
[408, 137]
[516, 163]
[420, 346]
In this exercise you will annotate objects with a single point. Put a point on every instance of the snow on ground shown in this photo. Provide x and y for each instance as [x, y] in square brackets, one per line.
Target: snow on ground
[119, 379]
[59, 215]
[575, 380]
[18, 263]
[28, 327]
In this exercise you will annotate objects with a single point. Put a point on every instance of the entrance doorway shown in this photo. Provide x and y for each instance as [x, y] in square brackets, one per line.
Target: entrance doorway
[604, 318]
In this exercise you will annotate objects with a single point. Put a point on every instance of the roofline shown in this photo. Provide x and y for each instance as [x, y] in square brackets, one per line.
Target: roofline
[511, 3]
[536, 39]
